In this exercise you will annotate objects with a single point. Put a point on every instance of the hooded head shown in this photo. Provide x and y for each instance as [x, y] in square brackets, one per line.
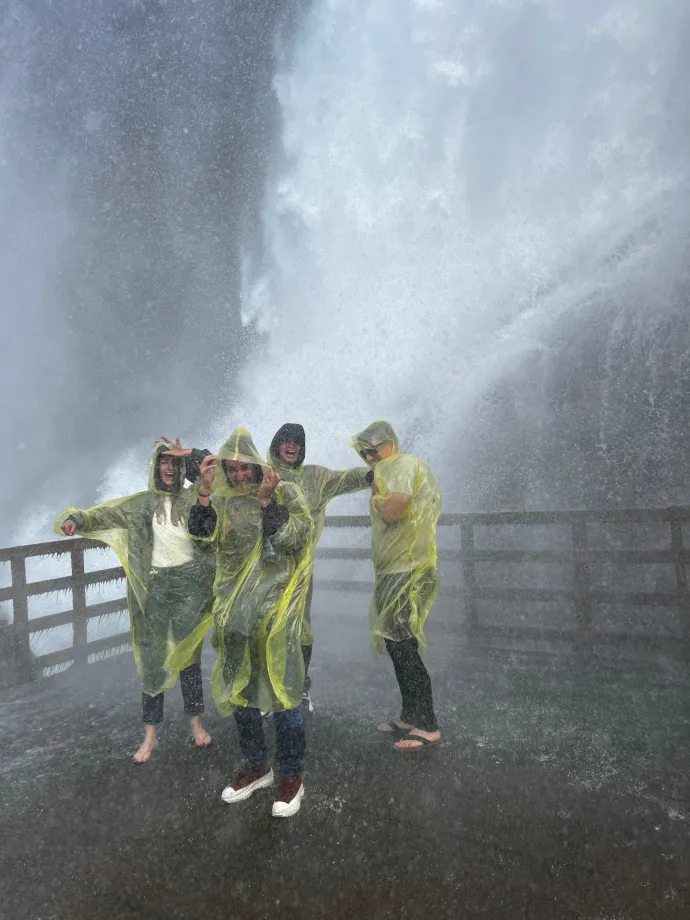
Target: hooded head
[240, 469]
[169, 479]
[292, 436]
[166, 476]
[376, 442]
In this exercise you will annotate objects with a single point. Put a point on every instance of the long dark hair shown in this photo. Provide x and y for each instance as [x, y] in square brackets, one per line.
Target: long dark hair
[177, 515]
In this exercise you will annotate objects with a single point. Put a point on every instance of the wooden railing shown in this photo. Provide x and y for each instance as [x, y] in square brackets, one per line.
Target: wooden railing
[579, 556]
[78, 616]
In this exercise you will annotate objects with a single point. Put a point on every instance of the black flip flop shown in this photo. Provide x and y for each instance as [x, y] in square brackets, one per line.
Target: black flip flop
[425, 743]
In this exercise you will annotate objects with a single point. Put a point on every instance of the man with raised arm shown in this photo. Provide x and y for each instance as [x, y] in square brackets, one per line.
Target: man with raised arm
[320, 486]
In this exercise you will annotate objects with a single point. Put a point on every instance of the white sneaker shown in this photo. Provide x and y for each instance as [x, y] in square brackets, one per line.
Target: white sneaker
[247, 781]
[283, 808]
[307, 701]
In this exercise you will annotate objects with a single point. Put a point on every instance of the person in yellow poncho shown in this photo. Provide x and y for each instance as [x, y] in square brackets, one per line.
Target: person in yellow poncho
[405, 507]
[169, 585]
[262, 531]
[320, 486]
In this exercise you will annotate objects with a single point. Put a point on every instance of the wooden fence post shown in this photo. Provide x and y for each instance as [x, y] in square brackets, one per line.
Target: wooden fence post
[469, 574]
[581, 584]
[20, 605]
[681, 574]
[79, 623]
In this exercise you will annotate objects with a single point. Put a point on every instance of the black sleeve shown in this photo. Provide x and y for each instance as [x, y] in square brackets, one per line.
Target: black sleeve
[202, 520]
[370, 477]
[275, 516]
[191, 464]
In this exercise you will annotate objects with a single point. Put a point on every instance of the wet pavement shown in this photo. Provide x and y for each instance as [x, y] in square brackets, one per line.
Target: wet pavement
[561, 791]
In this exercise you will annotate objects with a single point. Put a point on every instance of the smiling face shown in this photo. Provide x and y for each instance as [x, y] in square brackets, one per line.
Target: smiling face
[289, 452]
[167, 470]
[241, 476]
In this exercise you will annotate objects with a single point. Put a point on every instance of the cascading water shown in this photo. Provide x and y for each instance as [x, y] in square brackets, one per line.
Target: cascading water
[133, 143]
[479, 228]
[476, 225]
[134, 136]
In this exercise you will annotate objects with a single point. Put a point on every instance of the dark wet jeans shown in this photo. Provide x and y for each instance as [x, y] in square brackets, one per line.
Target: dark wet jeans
[415, 684]
[306, 655]
[192, 696]
[290, 739]
[307, 649]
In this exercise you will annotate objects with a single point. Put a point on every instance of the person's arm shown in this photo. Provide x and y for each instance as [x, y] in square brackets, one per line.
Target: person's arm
[393, 507]
[193, 457]
[113, 515]
[287, 520]
[202, 521]
[192, 463]
[70, 524]
[274, 516]
[343, 482]
[394, 487]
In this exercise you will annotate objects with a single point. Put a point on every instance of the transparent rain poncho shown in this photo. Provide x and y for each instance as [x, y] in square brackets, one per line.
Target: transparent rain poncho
[259, 591]
[165, 605]
[320, 486]
[404, 552]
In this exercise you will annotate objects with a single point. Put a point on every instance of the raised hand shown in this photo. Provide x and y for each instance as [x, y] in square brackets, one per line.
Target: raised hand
[176, 449]
[207, 469]
[267, 487]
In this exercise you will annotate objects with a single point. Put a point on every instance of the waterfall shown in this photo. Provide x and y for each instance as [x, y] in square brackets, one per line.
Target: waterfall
[477, 226]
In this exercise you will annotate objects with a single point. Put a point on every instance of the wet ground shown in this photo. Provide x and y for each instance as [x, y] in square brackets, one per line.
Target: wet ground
[561, 791]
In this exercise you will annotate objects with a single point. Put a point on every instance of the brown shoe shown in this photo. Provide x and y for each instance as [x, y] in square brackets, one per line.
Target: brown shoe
[289, 798]
[247, 781]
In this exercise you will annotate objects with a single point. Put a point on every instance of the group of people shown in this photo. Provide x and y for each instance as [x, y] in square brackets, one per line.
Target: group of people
[232, 553]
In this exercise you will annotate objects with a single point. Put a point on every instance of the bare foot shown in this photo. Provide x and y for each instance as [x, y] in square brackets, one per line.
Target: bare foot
[408, 744]
[201, 737]
[143, 755]
[385, 727]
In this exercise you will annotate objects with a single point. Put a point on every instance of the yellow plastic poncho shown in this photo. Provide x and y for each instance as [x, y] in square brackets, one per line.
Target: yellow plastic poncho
[404, 552]
[259, 591]
[158, 630]
[320, 486]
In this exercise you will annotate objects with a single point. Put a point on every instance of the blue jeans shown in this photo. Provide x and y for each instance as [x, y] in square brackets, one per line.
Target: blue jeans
[290, 739]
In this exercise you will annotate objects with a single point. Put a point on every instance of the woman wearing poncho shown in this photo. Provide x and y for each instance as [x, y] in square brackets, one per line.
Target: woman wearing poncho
[405, 507]
[169, 586]
[262, 531]
[320, 486]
